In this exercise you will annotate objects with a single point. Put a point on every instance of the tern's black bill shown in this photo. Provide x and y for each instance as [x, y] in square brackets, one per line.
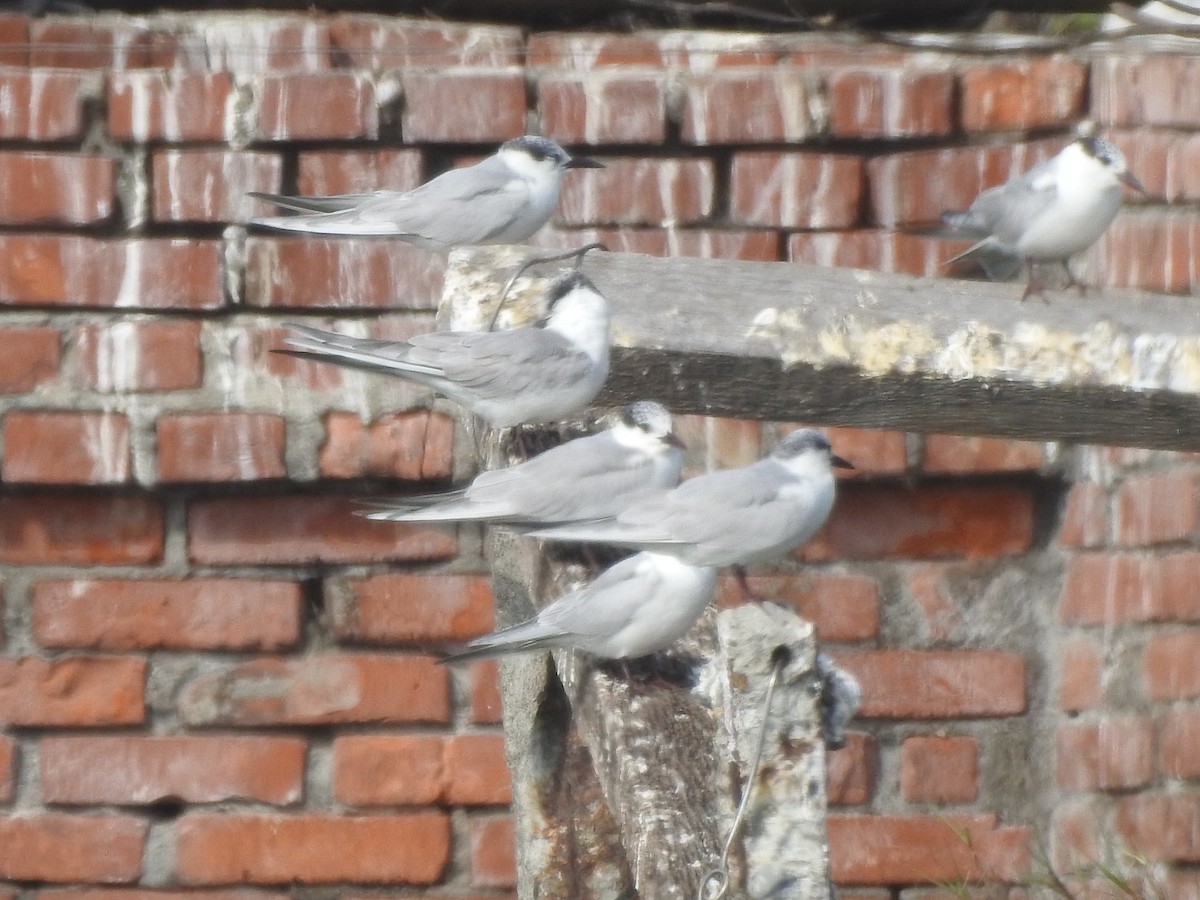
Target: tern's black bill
[1129, 179]
[584, 162]
[838, 463]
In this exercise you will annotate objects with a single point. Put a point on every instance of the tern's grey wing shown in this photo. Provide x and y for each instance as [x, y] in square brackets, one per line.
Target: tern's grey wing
[335, 203]
[606, 605]
[1006, 211]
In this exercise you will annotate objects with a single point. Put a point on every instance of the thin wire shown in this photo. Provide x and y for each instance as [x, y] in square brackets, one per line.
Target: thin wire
[533, 261]
[721, 871]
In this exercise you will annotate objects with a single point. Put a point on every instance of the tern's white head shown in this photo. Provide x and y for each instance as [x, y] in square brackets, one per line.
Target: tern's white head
[1095, 158]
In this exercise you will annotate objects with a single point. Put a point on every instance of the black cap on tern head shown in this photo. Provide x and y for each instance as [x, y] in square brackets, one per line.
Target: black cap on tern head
[541, 148]
[804, 440]
[650, 417]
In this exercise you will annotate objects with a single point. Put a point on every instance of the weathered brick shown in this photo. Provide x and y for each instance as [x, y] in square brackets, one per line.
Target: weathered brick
[756, 244]
[842, 607]
[606, 106]
[391, 43]
[712, 442]
[1171, 666]
[281, 530]
[210, 185]
[463, 106]
[65, 448]
[1178, 738]
[1129, 90]
[493, 852]
[905, 849]
[103, 849]
[874, 453]
[947, 454]
[177, 106]
[588, 50]
[312, 849]
[14, 40]
[341, 274]
[850, 773]
[939, 769]
[80, 43]
[330, 689]
[1080, 830]
[1081, 669]
[215, 447]
[158, 894]
[315, 106]
[891, 102]
[154, 614]
[1112, 753]
[1022, 94]
[1085, 519]
[773, 106]
[31, 358]
[913, 684]
[416, 446]
[639, 192]
[796, 190]
[1120, 587]
[1152, 251]
[1157, 508]
[413, 608]
[140, 770]
[75, 692]
[1162, 826]
[927, 522]
[56, 188]
[322, 173]
[8, 769]
[461, 770]
[80, 529]
[73, 270]
[931, 587]
[883, 251]
[250, 44]
[139, 356]
[486, 708]
[41, 105]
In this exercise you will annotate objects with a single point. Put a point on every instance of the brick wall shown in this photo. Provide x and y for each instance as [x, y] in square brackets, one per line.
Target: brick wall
[212, 674]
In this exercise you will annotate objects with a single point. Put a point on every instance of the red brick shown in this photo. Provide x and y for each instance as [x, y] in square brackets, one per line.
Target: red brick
[842, 607]
[8, 769]
[31, 358]
[947, 454]
[1081, 670]
[1085, 519]
[586, 51]
[315, 106]
[71, 44]
[388, 770]
[464, 106]
[415, 446]
[922, 849]
[313, 273]
[215, 447]
[712, 442]
[759, 244]
[194, 614]
[1129, 90]
[931, 587]
[1080, 832]
[912, 684]
[639, 192]
[288, 530]
[1152, 251]
[1118, 587]
[383, 43]
[158, 894]
[139, 356]
[493, 852]
[176, 106]
[883, 251]
[1162, 826]
[413, 608]
[312, 849]
[890, 102]
[916, 187]
[939, 769]
[1022, 94]
[486, 707]
[323, 173]
[72, 270]
[319, 690]
[796, 190]
[925, 523]
[56, 188]
[606, 106]
[773, 106]
[1157, 508]
[138, 770]
[103, 849]
[1155, 156]
[1112, 753]
[874, 453]
[41, 105]
[14, 40]
[274, 41]
[850, 773]
[1171, 666]
[1178, 738]
[76, 692]
[80, 529]
[210, 185]
[65, 448]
